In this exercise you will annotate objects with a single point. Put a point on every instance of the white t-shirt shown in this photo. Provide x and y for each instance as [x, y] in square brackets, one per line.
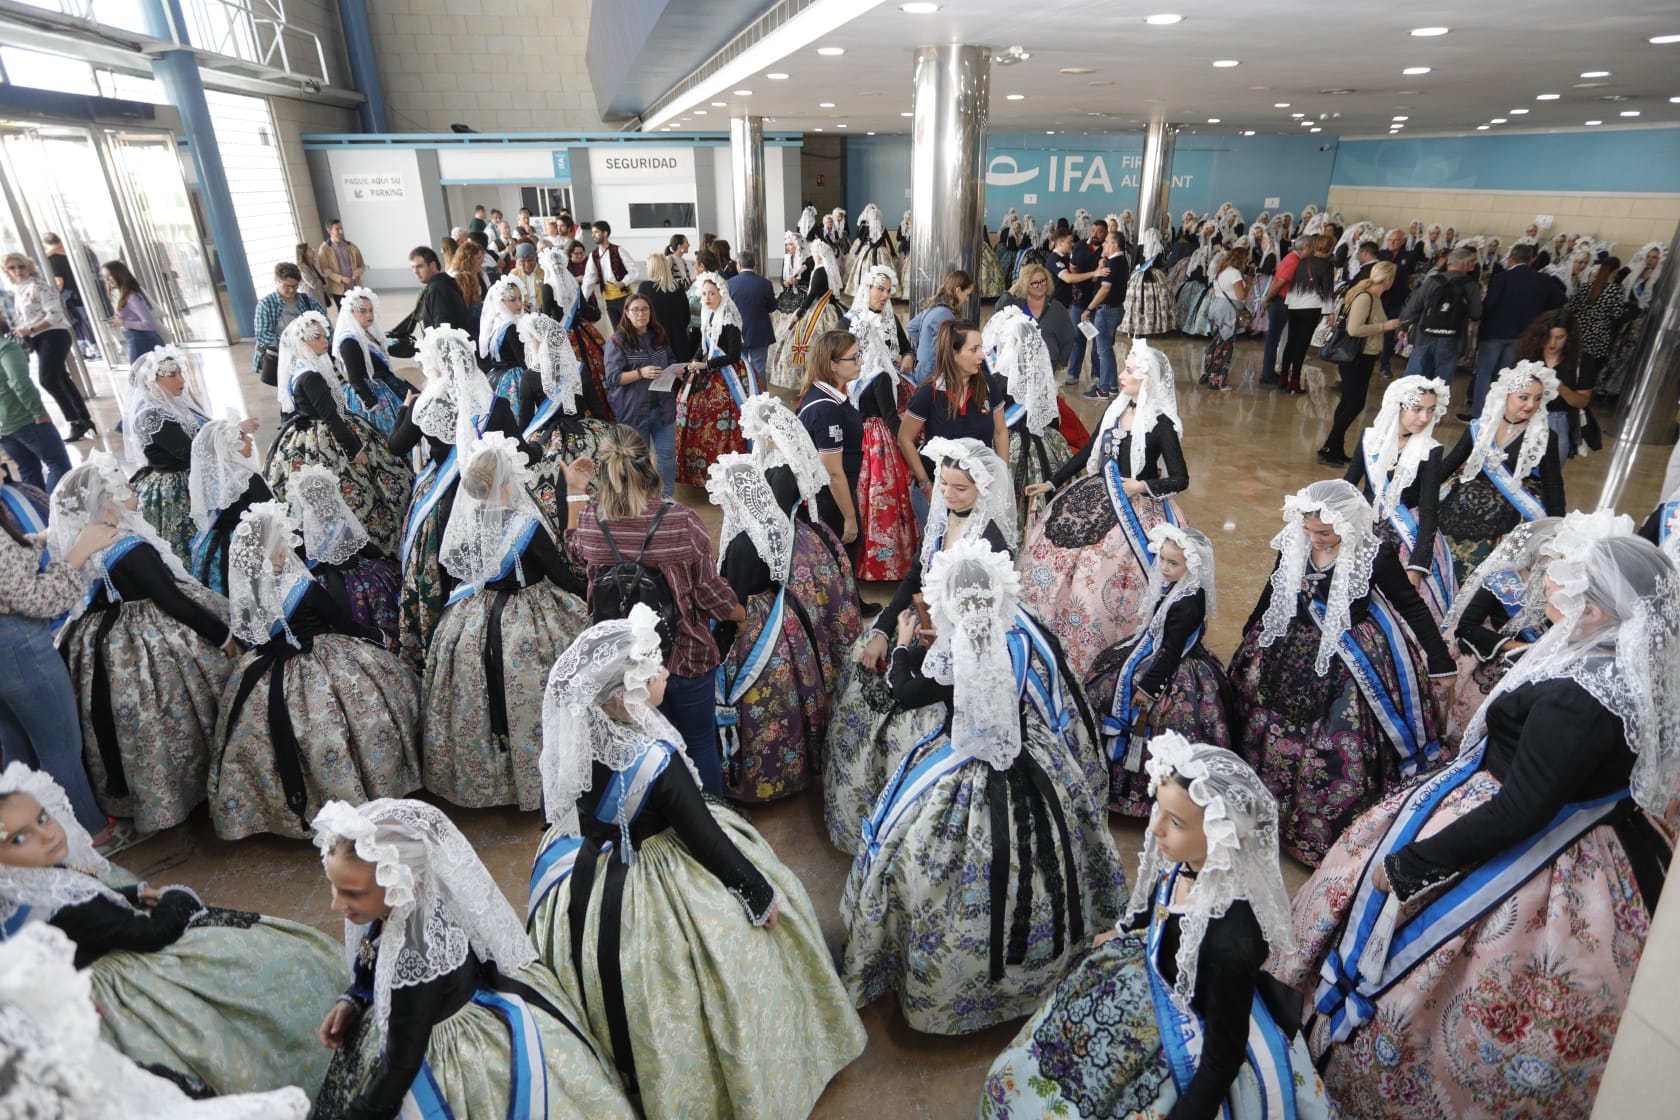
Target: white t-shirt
[1226, 284]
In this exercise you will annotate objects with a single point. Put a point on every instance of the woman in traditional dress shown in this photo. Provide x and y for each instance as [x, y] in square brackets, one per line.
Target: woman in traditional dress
[870, 730]
[880, 393]
[718, 383]
[973, 914]
[1333, 697]
[562, 301]
[694, 950]
[1016, 352]
[1644, 272]
[376, 393]
[336, 549]
[1470, 943]
[564, 418]
[224, 483]
[1504, 468]
[1149, 306]
[317, 708]
[817, 314]
[160, 419]
[320, 428]
[448, 1012]
[1084, 563]
[1165, 678]
[500, 349]
[1194, 286]
[148, 651]
[1173, 1014]
[873, 248]
[219, 1001]
[516, 605]
[1399, 463]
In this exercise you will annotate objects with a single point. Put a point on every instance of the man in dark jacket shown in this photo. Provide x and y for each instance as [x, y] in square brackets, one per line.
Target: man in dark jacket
[441, 301]
[1438, 315]
[1395, 252]
[755, 299]
[1517, 295]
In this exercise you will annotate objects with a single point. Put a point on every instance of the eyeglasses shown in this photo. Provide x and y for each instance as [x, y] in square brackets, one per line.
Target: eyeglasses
[1039, 283]
[637, 310]
[850, 358]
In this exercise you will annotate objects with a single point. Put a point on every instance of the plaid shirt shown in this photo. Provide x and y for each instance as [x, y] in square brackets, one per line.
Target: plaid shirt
[269, 309]
[682, 551]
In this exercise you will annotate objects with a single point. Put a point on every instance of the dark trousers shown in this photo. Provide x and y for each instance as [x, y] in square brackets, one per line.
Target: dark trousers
[38, 449]
[1277, 317]
[1302, 322]
[52, 352]
[1356, 384]
[691, 705]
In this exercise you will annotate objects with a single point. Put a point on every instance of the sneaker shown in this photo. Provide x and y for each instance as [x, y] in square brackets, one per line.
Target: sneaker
[1093, 394]
[123, 836]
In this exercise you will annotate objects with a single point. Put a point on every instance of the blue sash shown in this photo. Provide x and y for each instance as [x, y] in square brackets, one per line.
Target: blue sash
[1182, 1030]
[527, 1074]
[1362, 966]
[29, 519]
[1014, 414]
[107, 560]
[1440, 586]
[1512, 593]
[628, 790]
[736, 392]
[727, 691]
[443, 477]
[554, 866]
[510, 559]
[909, 783]
[1401, 715]
[1136, 535]
[1665, 518]
[1048, 697]
[294, 596]
[18, 919]
[1117, 725]
[1494, 467]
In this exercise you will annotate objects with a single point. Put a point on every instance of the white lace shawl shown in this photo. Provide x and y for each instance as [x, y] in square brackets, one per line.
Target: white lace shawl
[990, 475]
[875, 357]
[483, 530]
[549, 351]
[738, 487]
[1240, 824]
[1397, 466]
[456, 394]
[1157, 397]
[220, 470]
[1017, 351]
[372, 341]
[1340, 505]
[332, 533]
[780, 440]
[822, 253]
[560, 280]
[713, 320]
[860, 300]
[1535, 432]
[148, 408]
[1198, 575]
[495, 314]
[1523, 551]
[971, 594]
[296, 358]
[47, 890]
[257, 591]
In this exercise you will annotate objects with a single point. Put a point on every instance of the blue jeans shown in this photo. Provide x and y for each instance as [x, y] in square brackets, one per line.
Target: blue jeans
[1492, 355]
[1107, 321]
[39, 724]
[141, 343]
[661, 437]
[1076, 356]
[691, 705]
[36, 447]
[1277, 317]
[758, 357]
[1434, 357]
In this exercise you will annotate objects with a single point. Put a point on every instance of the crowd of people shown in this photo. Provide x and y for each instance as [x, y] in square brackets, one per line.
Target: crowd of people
[1456, 699]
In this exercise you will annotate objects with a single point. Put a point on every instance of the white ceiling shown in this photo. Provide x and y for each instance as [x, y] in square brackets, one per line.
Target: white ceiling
[1495, 59]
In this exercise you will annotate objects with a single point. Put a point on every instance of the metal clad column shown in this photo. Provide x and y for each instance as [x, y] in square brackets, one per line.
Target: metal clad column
[178, 71]
[1648, 416]
[364, 70]
[1155, 177]
[746, 155]
[947, 164]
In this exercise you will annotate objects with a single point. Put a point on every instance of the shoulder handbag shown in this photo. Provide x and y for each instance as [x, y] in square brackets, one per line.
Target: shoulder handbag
[268, 365]
[1245, 314]
[1340, 346]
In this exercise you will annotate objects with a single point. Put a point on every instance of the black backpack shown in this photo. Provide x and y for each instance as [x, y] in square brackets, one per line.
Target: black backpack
[624, 583]
[1445, 309]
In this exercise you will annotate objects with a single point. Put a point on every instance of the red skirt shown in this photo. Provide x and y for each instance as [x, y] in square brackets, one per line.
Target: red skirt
[1072, 428]
[708, 425]
[886, 520]
[591, 353]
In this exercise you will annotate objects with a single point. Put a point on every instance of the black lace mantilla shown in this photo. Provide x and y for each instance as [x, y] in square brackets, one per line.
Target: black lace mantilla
[1082, 516]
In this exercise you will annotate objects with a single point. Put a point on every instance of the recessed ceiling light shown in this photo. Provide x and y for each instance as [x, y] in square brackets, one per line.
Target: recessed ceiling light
[1497, 120]
[743, 93]
[1297, 116]
[1014, 97]
[842, 126]
[1630, 112]
[1612, 97]
[1402, 118]
[700, 112]
[1595, 122]
[1167, 19]
[820, 129]
[1674, 101]
[777, 77]
[1103, 82]
[1589, 85]
[1315, 129]
[825, 104]
[831, 52]
[1547, 96]
[1280, 104]
[1595, 73]
[719, 104]
[1414, 71]
[919, 9]
[1429, 32]
[904, 114]
[1226, 63]
[1396, 124]
[1518, 112]
[1485, 127]
[1664, 40]
[1213, 120]
[1306, 124]
[1078, 70]
[1248, 132]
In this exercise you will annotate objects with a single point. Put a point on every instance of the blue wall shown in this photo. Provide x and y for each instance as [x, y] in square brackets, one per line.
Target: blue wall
[1646, 159]
[1099, 173]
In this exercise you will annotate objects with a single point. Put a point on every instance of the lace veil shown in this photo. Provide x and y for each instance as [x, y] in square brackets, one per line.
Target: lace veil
[560, 280]
[296, 358]
[492, 513]
[1340, 505]
[263, 572]
[1524, 550]
[1016, 348]
[147, 407]
[875, 272]
[779, 440]
[616, 658]
[1157, 396]
[713, 320]
[738, 487]
[372, 341]
[1198, 576]
[1535, 432]
[1397, 466]
[495, 314]
[1240, 823]
[971, 595]
[549, 351]
[47, 890]
[221, 470]
[822, 253]
[456, 394]
[332, 533]
[443, 901]
[994, 506]
[875, 357]
[93, 491]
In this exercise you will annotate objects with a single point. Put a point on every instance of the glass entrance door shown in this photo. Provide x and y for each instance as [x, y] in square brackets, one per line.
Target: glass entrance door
[149, 172]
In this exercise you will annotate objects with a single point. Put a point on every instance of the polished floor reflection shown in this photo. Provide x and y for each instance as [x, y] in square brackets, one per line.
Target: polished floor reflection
[1247, 449]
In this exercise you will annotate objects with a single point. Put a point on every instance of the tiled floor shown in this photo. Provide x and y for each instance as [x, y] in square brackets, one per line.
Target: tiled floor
[1246, 450]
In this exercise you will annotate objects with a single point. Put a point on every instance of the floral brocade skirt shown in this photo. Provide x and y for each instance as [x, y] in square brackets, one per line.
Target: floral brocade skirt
[382, 413]
[372, 588]
[167, 507]
[1472, 518]
[792, 347]
[887, 521]
[1513, 1016]
[708, 425]
[1034, 459]
[1314, 741]
[591, 351]
[1149, 308]
[424, 588]
[377, 493]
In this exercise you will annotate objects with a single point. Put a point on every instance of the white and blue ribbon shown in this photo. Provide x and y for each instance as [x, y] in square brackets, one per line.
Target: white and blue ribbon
[727, 691]
[30, 520]
[435, 480]
[510, 560]
[909, 783]
[1493, 465]
[1401, 715]
[1136, 535]
[1117, 725]
[527, 1081]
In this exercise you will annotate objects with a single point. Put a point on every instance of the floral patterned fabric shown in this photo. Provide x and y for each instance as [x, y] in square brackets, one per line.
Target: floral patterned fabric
[463, 761]
[386, 406]
[372, 588]
[743, 1022]
[164, 684]
[355, 715]
[789, 351]
[376, 493]
[1472, 518]
[888, 525]
[167, 507]
[1476, 680]
[708, 424]
[1028, 467]
[1216, 363]
[1513, 1017]
[1314, 740]
[591, 350]
[424, 589]
[1149, 308]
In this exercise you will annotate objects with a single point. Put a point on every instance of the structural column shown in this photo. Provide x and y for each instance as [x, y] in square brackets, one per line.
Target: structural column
[746, 156]
[178, 71]
[947, 164]
[1155, 177]
[1649, 413]
[364, 70]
